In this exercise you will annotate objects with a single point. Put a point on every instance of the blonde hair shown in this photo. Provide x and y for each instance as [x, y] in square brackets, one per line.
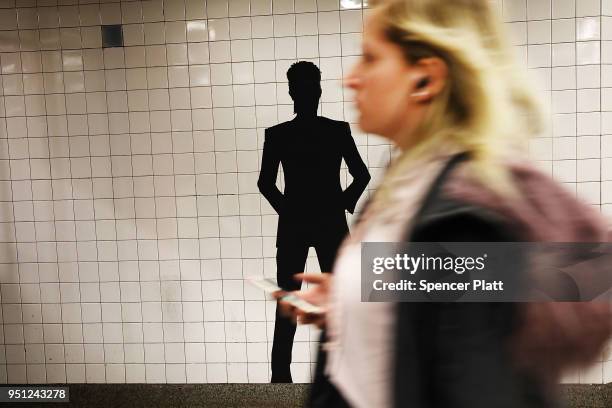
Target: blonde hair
[487, 106]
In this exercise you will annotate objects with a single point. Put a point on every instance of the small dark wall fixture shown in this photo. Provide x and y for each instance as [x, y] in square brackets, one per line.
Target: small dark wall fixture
[112, 36]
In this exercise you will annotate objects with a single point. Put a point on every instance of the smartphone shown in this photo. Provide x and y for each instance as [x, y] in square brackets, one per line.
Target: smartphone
[269, 286]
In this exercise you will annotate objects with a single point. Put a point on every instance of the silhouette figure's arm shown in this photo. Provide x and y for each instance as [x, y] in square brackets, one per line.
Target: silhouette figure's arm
[267, 175]
[356, 168]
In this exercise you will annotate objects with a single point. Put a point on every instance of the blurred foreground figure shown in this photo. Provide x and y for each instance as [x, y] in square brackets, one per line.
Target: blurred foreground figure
[438, 80]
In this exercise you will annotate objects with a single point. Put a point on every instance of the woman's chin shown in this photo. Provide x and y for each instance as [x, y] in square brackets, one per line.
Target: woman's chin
[363, 124]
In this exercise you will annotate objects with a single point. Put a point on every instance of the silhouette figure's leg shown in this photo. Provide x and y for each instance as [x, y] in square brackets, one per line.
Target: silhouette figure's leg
[290, 259]
[323, 393]
[326, 254]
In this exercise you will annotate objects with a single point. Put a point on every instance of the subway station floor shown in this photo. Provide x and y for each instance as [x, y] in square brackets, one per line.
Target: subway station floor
[247, 395]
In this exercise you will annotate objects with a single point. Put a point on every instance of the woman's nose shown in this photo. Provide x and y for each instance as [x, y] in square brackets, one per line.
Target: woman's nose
[351, 81]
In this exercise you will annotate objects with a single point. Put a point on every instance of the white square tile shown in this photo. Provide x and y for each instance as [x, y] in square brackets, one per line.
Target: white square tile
[306, 24]
[138, 100]
[261, 7]
[262, 26]
[588, 8]
[241, 50]
[515, 10]
[50, 39]
[306, 6]
[180, 98]
[223, 118]
[263, 49]
[198, 53]
[539, 32]
[11, 63]
[606, 169]
[351, 21]
[218, 30]
[27, 18]
[588, 76]
[110, 13]
[264, 71]
[242, 73]
[588, 28]
[588, 123]
[351, 43]
[176, 32]
[589, 192]
[219, 51]
[131, 12]
[538, 9]
[588, 170]
[329, 45]
[606, 27]
[563, 30]
[240, 28]
[284, 25]
[606, 47]
[588, 147]
[244, 95]
[539, 56]
[307, 47]
[197, 31]
[195, 9]
[563, 54]
[174, 10]
[157, 77]
[48, 17]
[563, 8]
[588, 52]
[178, 77]
[564, 148]
[155, 55]
[588, 100]
[607, 372]
[282, 6]
[222, 96]
[176, 54]
[201, 98]
[327, 4]
[239, 8]
[217, 9]
[154, 33]
[563, 78]
[329, 22]
[31, 62]
[220, 74]
[606, 188]
[159, 99]
[135, 57]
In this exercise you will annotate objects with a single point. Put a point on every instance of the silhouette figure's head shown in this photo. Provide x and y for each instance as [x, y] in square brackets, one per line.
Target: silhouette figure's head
[304, 87]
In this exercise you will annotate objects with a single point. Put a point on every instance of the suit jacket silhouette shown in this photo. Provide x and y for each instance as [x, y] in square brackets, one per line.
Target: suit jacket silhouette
[313, 203]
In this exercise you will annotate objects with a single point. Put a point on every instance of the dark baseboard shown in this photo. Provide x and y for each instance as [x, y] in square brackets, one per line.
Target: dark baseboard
[588, 396]
[246, 395]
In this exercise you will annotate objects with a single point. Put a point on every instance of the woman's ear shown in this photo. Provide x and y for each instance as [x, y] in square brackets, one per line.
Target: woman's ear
[430, 79]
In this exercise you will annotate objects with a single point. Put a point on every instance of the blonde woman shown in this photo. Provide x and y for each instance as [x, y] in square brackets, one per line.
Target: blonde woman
[438, 80]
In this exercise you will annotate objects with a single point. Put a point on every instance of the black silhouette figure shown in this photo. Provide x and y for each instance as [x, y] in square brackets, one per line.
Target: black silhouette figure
[312, 208]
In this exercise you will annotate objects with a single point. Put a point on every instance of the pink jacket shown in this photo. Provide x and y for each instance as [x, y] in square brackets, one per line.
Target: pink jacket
[554, 336]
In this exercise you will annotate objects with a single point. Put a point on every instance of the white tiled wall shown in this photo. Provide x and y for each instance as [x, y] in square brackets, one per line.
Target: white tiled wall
[129, 211]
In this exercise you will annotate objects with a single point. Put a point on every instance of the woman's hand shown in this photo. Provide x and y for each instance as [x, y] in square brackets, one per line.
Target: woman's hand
[317, 295]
